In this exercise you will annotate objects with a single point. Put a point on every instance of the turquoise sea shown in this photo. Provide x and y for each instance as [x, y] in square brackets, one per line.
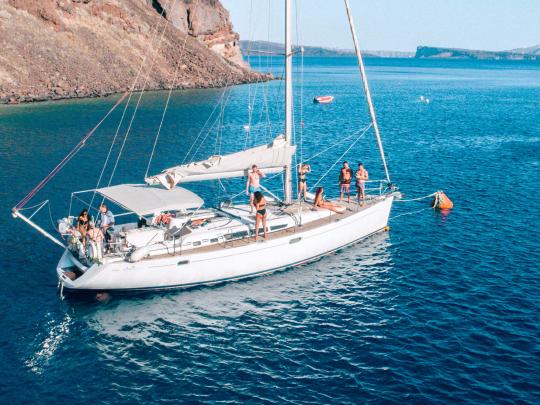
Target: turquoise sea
[442, 309]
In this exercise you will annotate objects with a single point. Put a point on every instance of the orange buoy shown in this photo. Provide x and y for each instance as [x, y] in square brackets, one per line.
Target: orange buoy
[442, 202]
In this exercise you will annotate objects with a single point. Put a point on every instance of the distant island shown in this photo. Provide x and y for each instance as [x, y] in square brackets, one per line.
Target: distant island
[422, 52]
[275, 48]
[531, 53]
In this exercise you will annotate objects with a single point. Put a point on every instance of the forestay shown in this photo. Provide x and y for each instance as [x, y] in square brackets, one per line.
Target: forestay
[270, 158]
[144, 200]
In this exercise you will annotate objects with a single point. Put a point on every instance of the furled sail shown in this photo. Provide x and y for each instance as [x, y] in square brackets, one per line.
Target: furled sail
[270, 158]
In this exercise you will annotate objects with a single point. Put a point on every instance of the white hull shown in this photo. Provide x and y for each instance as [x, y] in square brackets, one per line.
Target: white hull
[231, 262]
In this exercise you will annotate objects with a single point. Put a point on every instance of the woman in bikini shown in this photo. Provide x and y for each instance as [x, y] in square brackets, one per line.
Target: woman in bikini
[302, 186]
[260, 205]
[82, 224]
[321, 203]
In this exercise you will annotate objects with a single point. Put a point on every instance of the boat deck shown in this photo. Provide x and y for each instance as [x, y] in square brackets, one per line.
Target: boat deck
[351, 209]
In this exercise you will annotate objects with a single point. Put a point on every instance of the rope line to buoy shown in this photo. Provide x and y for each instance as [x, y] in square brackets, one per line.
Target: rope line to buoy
[419, 198]
[410, 213]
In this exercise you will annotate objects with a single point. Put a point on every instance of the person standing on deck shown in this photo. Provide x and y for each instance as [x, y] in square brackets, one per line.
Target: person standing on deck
[260, 216]
[361, 177]
[345, 178]
[253, 184]
[95, 240]
[106, 223]
[302, 186]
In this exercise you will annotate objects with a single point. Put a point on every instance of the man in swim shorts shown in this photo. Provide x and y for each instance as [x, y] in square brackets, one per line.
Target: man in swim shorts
[361, 177]
[253, 184]
[345, 177]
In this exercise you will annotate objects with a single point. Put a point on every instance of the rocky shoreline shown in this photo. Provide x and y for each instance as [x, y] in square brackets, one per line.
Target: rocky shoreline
[66, 49]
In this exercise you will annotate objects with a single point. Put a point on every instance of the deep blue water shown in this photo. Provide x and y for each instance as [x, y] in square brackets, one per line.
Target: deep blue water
[443, 308]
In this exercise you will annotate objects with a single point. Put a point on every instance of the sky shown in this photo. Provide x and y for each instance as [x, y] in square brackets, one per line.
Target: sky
[398, 25]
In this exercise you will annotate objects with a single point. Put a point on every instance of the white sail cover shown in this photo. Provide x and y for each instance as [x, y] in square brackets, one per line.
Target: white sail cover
[269, 158]
[145, 200]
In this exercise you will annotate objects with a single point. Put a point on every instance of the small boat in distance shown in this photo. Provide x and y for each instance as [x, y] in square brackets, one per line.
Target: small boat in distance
[323, 99]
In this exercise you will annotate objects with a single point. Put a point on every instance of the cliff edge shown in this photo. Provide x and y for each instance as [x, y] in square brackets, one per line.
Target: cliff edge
[54, 49]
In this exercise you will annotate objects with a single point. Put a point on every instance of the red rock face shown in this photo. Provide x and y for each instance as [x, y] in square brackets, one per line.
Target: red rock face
[81, 48]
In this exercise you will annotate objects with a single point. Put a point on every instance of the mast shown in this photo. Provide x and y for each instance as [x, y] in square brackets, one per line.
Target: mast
[366, 89]
[287, 183]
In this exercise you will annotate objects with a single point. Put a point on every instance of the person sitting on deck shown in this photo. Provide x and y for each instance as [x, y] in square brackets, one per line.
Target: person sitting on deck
[82, 224]
[106, 224]
[260, 207]
[253, 184]
[321, 203]
[361, 177]
[345, 177]
[302, 185]
[95, 240]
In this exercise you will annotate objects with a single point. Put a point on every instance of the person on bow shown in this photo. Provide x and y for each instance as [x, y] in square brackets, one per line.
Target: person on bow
[345, 177]
[253, 184]
[302, 185]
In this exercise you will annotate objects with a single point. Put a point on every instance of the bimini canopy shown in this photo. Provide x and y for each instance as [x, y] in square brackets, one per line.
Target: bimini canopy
[271, 158]
[143, 200]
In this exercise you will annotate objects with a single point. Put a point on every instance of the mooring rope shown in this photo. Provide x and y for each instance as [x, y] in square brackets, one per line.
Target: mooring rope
[418, 199]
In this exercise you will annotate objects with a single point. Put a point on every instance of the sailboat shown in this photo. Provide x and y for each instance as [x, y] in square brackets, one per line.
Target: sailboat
[177, 242]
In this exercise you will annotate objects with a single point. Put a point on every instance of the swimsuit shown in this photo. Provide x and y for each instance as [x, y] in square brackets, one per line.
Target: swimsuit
[254, 183]
[302, 177]
[262, 211]
[360, 183]
[345, 183]
[83, 222]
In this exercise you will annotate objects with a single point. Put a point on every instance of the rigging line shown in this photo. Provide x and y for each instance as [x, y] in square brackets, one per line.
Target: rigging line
[251, 106]
[40, 207]
[366, 89]
[249, 56]
[166, 105]
[155, 30]
[360, 131]
[338, 159]
[224, 99]
[66, 159]
[34, 206]
[410, 213]
[219, 133]
[205, 125]
[299, 41]
[139, 100]
[228, 90]
[51, 218]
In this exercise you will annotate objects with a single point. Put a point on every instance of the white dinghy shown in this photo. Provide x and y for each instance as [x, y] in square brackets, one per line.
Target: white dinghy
[175, 242]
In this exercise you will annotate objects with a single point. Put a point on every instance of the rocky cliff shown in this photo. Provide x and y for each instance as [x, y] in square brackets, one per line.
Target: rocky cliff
[52, 49]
